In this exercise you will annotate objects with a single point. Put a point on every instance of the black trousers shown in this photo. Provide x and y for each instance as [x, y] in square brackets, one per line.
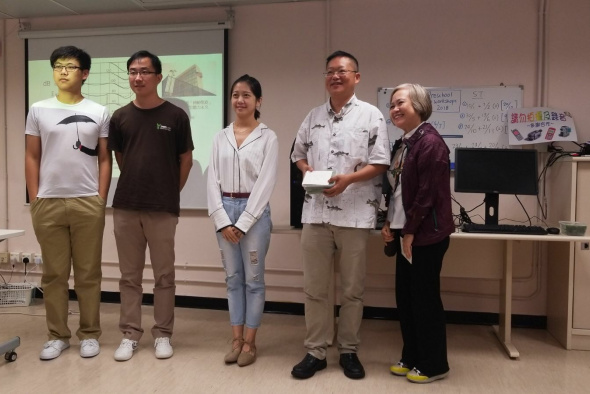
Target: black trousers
[420, 308]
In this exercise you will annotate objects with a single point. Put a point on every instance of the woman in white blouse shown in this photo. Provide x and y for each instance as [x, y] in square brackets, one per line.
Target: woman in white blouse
[241, 178]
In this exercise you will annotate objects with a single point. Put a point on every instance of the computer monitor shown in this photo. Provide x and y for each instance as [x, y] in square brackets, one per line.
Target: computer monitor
[495, 172]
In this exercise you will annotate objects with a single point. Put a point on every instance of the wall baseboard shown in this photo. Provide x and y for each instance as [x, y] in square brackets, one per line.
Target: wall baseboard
[369, 312]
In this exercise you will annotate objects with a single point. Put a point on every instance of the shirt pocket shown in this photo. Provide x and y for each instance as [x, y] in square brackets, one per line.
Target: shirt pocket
[359, 144]
[358, 150]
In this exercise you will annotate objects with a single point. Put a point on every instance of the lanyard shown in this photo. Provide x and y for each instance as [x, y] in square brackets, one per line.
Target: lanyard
[397, 171]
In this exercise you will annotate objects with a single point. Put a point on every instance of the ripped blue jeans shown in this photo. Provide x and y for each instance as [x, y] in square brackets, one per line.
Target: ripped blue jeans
[244, 266]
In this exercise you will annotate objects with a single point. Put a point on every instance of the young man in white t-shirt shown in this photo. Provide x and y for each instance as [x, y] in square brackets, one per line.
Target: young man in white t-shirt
[68, 173]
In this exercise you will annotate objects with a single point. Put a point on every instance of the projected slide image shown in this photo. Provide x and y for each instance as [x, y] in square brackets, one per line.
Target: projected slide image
[192, 82]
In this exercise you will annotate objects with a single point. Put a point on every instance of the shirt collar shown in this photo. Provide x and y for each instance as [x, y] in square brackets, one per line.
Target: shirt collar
[346, 109]
[411, 133]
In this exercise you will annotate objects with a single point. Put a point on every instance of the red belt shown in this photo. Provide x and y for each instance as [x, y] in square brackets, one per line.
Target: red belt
[235, 195]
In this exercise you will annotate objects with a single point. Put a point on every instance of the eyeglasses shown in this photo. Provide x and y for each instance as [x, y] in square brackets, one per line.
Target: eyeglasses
[143, 73]
[340, 73]
[69, 67]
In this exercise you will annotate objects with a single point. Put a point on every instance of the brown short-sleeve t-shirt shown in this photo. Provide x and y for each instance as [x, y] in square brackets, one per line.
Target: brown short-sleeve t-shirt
[151, 142]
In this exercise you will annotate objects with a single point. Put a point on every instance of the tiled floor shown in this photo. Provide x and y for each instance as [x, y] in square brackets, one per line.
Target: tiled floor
[202, 337]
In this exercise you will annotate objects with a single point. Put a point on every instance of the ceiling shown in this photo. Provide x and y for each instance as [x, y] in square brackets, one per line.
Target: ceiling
[15, 9]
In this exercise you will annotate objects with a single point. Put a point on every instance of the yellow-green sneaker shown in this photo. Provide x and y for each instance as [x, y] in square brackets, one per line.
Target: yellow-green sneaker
[415, 376]
[399, 369]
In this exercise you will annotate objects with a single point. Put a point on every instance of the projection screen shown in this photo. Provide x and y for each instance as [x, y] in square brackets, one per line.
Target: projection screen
[194, 78]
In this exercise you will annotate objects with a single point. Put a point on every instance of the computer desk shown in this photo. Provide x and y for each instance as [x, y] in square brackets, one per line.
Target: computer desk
[504, 329]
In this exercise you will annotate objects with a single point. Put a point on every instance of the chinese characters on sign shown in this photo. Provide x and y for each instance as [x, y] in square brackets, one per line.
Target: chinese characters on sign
[541, 124]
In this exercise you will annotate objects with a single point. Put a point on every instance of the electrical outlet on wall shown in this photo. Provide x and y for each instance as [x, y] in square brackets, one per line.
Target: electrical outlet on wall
[37, 258]
[26, 258]
[4, 257]
[14, 258]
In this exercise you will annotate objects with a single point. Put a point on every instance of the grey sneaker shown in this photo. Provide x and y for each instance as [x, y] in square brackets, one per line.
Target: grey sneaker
[52, 349]
[163, 347]
[89, 348]
[125, 350]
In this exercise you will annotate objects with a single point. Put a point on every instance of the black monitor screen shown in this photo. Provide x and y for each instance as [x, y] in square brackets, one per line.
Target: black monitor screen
[501, 171]
[494, 172]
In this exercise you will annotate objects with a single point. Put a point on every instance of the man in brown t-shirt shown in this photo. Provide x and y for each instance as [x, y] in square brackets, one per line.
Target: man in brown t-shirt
[153, 148]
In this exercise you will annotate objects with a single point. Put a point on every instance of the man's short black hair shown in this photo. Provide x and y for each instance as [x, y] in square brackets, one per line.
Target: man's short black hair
[343, 54]
[71, 52]
[156, 63]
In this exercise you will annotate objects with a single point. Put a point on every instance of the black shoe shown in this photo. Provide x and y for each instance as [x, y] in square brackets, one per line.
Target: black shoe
[352, 366]
[308, 367]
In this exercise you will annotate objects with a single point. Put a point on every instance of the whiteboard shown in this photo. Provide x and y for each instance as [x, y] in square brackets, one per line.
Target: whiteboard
[466, 117]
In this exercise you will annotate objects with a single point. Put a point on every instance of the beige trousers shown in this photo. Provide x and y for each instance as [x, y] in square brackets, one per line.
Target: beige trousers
[134, 230]
[320, 243]
[70, 231]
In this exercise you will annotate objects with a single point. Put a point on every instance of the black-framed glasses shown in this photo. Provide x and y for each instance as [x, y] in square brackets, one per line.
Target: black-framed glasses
[143, 73]
[340, 73]
[69, 67]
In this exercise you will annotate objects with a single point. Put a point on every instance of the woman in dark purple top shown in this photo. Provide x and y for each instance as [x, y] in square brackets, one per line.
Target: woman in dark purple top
[423, 174]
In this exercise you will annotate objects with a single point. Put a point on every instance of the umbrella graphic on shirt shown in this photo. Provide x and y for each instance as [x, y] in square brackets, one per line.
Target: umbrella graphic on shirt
[78, 145]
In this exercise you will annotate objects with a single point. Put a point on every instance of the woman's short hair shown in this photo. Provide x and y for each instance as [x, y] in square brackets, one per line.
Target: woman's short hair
[419, 97]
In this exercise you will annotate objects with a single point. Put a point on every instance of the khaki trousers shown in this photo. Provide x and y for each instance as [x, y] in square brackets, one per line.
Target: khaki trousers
[70, 232]
[320, 243]
[134, 230]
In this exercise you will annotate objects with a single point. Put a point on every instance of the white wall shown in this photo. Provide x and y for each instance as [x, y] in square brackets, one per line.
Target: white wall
[432, 42]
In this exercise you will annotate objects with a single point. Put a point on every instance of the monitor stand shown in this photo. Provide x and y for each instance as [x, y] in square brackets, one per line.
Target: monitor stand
[492, 202]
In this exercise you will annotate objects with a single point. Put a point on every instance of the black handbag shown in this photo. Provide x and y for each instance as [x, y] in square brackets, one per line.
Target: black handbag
[390, 248]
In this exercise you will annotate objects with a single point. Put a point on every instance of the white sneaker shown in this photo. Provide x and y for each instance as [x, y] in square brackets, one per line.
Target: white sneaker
[125, 350]
[89, 348]
[163, 348]
[52, 349]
